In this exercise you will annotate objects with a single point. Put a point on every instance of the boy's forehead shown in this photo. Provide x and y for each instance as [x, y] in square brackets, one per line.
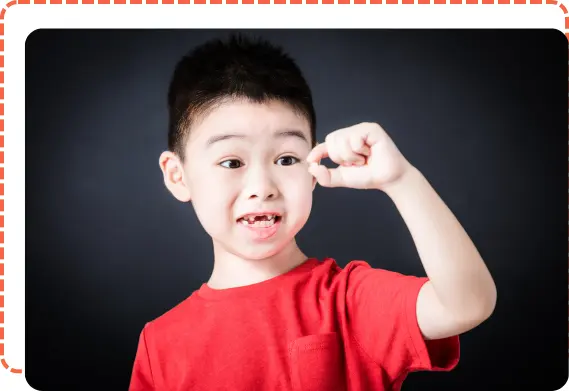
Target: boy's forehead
[251, 120]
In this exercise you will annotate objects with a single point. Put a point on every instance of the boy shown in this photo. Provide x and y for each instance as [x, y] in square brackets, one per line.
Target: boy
[242, 149]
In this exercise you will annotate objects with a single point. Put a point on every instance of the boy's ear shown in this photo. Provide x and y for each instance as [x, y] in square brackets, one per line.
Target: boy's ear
[173, 172]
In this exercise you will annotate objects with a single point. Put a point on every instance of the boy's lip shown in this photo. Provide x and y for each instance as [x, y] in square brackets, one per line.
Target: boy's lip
[261, 233]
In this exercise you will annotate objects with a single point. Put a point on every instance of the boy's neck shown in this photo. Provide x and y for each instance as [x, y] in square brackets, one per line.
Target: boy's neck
[231, 271]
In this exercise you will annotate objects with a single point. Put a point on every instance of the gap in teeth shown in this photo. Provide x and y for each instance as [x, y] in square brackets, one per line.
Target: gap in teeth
[252, 221]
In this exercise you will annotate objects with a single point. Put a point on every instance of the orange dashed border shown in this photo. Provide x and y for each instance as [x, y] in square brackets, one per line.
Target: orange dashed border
[158, 2]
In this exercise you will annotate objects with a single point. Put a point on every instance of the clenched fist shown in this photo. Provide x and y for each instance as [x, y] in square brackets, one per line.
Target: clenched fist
[366, 155]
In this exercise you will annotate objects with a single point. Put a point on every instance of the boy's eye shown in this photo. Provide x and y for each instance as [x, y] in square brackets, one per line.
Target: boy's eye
[231, 163]
[287, 160]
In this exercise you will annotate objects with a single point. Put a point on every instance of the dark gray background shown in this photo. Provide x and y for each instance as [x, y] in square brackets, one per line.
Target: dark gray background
[482, 113]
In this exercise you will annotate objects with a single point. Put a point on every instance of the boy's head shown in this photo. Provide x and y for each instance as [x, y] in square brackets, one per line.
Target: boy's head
[241, 125]
[218, 70]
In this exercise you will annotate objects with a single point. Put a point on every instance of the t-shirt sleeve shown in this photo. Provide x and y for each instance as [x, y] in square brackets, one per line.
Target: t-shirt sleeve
[141, 377]
[382, 316]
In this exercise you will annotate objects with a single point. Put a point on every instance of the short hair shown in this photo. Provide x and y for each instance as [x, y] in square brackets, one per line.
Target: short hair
[238, 67]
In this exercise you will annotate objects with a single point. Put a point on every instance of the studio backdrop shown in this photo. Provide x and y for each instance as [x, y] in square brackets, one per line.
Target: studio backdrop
[481, 113]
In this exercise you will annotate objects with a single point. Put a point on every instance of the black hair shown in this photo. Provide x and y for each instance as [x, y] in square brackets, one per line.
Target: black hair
[238, 67]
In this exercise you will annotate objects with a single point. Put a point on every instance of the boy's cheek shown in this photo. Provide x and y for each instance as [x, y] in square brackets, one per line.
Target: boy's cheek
[303, 193]
[300, 173]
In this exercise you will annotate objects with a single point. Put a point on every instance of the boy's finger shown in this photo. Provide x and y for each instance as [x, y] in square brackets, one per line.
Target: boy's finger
[364, 150]
[327, 177]
[318, 153]
[352, 159]
[346, 154]
[360, 160]
[349, 156]
[359, 146]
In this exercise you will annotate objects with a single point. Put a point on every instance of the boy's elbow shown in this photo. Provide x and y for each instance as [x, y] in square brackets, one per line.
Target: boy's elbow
[491, 305]
[479, 310]
[486, 305]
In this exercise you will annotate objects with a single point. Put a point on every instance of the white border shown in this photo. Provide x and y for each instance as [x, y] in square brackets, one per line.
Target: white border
[21, 20]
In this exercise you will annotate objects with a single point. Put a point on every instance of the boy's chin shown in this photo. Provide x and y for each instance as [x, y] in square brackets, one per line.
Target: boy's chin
[258, 253]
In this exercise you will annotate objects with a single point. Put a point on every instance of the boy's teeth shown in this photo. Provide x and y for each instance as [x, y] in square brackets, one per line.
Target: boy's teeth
[259, 223]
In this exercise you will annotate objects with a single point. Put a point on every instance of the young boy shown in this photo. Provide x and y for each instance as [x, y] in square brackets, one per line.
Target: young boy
[243, 151]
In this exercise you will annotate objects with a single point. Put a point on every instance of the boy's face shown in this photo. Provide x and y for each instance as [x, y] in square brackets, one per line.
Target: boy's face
[246, 176]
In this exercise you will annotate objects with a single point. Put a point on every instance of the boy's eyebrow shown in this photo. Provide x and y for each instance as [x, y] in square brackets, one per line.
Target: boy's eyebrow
[221, 137]
[284, 133]
[292, 133]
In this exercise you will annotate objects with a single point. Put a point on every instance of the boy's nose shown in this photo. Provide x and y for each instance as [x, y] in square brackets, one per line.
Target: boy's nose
[262, 190]
[262, 196]
[260, 184]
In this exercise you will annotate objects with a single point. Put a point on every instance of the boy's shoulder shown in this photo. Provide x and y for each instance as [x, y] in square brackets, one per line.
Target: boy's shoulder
[356, 270]
[174, 316]
[324, 275]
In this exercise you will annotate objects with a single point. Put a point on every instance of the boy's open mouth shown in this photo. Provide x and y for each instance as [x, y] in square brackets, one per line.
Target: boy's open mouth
[259, 221]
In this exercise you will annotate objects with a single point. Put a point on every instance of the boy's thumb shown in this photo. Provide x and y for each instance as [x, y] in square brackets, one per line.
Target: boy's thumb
[322, 174]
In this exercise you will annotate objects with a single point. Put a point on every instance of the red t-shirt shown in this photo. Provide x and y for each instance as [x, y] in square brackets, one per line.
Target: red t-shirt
[316, 328]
